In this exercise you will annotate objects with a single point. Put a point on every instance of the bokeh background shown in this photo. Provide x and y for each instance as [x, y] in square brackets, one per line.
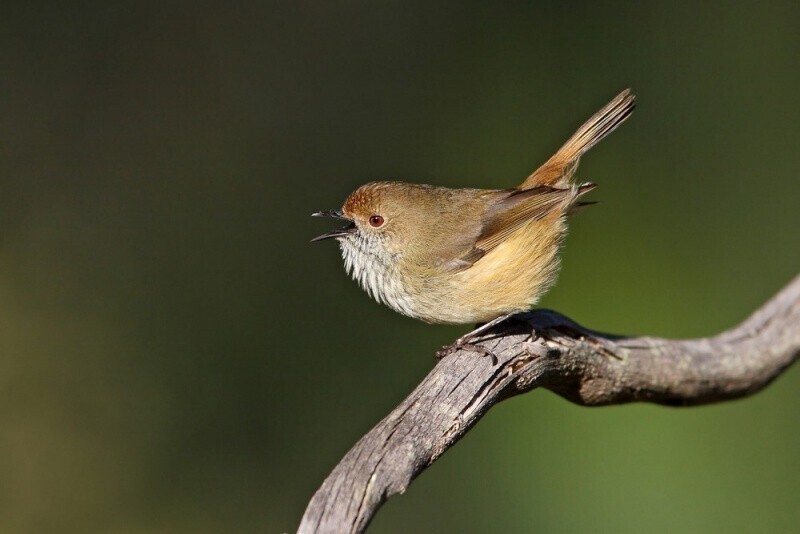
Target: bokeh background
[176, 357]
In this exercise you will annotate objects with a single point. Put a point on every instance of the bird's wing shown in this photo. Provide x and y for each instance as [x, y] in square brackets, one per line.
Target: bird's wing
[509, 211]
[517, 209]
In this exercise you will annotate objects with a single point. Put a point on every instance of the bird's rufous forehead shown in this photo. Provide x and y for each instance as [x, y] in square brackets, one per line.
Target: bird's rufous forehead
[364, 201]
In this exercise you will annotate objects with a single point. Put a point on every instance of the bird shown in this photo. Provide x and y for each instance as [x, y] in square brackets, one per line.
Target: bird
[463, 255]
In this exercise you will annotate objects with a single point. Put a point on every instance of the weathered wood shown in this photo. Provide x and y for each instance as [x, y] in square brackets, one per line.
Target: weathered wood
[585, 367]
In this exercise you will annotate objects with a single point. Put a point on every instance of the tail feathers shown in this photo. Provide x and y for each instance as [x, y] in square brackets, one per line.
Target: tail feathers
[579, 206]
[559, 169]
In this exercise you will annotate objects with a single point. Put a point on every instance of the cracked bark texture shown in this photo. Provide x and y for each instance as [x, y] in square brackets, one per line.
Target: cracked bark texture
[585, 367]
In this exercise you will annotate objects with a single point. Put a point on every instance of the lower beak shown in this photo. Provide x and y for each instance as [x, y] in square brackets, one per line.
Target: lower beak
[339, 232]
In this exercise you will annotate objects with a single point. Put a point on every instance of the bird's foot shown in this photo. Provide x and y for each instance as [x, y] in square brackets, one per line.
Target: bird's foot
[468, 340]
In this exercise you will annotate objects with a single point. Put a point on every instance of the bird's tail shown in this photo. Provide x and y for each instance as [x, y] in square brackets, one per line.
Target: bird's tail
[559, 169]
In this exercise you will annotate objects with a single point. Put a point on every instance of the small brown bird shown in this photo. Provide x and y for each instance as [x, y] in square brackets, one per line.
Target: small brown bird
[460, 256]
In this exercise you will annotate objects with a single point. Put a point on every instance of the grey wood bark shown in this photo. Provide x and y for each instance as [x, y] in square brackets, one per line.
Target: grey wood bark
[585, 367]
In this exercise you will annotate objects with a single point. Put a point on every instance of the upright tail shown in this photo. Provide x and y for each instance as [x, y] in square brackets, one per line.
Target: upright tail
[558, 170]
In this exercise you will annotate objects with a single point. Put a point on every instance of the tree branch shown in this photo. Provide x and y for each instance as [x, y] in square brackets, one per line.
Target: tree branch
[585, 367]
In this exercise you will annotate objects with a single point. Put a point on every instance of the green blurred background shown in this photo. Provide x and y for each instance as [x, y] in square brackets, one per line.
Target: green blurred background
[176, 357]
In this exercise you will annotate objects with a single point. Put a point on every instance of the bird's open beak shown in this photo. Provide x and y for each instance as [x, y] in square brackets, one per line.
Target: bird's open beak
[339, 232]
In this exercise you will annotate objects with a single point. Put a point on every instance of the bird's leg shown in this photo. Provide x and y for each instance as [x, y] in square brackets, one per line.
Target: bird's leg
[468, 339]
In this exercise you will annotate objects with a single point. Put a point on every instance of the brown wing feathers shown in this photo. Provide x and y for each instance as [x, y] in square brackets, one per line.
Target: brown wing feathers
[518, 209]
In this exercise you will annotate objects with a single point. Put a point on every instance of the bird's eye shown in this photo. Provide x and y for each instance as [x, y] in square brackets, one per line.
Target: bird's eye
[375, 221]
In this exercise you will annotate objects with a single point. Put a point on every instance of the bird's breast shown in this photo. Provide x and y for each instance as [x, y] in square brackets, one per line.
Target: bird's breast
[379, 275]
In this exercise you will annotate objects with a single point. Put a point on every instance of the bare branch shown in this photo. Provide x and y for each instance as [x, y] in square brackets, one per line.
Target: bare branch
[585, 367]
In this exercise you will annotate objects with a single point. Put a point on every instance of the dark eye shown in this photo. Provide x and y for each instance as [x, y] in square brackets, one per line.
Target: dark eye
[376, 221]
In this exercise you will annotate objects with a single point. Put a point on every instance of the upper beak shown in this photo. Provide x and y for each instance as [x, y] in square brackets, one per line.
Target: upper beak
[339, 232]
[333, 214]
